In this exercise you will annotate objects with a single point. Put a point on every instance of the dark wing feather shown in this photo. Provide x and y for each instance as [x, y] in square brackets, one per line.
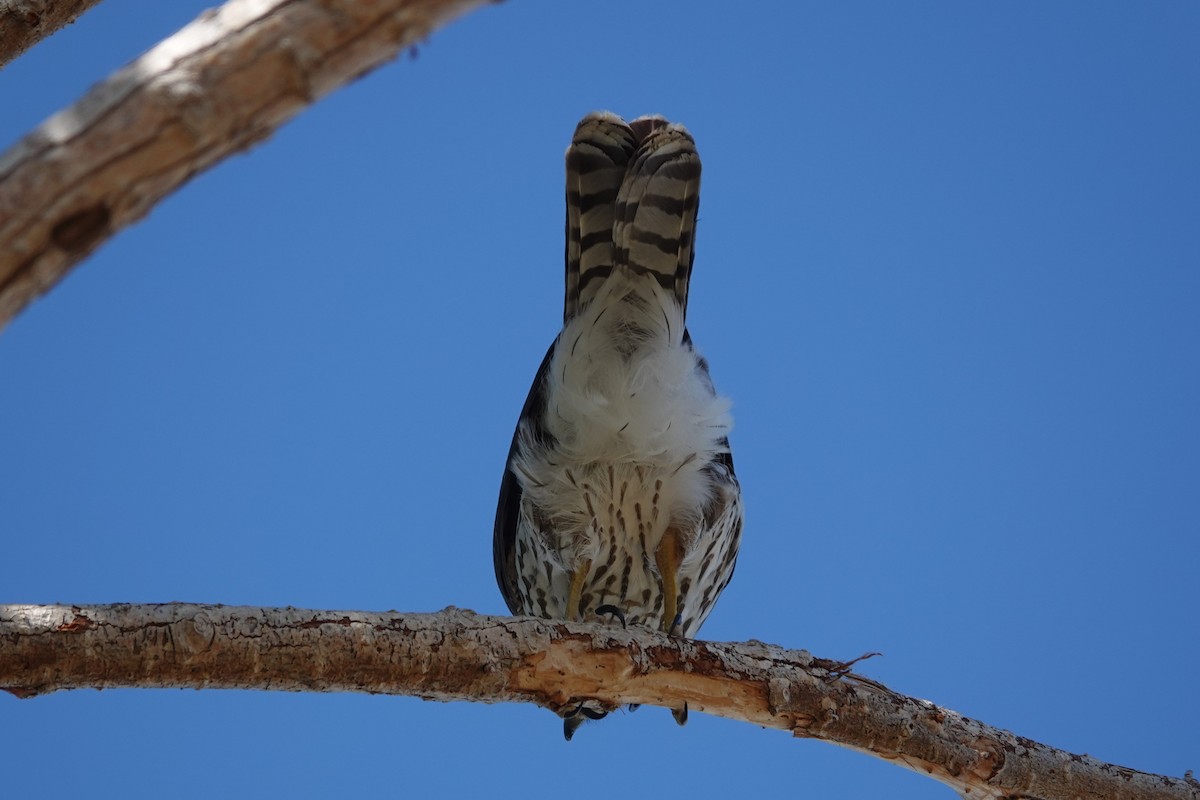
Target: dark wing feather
[508, 510]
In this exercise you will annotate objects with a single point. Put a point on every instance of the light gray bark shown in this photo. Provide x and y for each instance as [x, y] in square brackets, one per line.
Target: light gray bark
[219, 85]
[24, 23]
[459, 655]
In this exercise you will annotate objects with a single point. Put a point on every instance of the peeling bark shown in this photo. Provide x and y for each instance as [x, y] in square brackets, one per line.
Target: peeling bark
[219, 85]
[459, 655]
[24, 23]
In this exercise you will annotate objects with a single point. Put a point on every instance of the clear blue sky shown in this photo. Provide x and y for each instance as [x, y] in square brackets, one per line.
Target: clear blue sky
[948, 269]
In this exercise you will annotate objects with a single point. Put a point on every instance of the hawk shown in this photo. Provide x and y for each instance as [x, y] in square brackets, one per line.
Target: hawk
[619, 498]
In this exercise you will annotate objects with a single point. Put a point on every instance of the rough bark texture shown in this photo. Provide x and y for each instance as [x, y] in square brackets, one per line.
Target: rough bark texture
[458, 655]
[219, 85]
[24, 23]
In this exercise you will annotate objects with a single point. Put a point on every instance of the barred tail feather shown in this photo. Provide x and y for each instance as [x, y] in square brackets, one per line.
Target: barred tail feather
[655, 216]
[596, 163]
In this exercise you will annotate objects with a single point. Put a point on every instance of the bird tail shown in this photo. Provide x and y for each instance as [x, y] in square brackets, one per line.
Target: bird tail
[596, 161]
[632, 195]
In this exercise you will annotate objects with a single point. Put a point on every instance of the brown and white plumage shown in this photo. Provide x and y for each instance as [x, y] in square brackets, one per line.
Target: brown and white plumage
[619, 493]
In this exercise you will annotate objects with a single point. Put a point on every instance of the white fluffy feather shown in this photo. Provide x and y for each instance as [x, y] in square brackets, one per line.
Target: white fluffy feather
[624, 391]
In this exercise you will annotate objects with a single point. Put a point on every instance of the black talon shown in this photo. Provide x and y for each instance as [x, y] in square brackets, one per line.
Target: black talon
[633, 707]
[571, 724]
[680, 714]
[578, 715]
[574, 717]
[611, 609]
[675, 624]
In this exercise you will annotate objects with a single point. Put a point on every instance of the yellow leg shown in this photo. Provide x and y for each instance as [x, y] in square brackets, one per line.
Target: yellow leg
[667, 558]
[576, 589]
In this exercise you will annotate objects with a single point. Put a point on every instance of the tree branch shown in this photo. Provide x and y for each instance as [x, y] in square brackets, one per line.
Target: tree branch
[221, 84]
[459, 655]
[24, 23]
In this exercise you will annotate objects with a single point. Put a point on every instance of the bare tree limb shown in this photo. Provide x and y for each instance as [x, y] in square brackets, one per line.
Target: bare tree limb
[219, 85]
[458, 655]
[24, 23]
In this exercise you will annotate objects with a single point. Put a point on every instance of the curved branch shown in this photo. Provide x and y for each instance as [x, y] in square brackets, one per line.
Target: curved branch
[219, 85]
[24, 23]
[459, 655]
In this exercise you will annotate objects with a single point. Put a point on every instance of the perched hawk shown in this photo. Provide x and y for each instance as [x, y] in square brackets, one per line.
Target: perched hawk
[619, 500]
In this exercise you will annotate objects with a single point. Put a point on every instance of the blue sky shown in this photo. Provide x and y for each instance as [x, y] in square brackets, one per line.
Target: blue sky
[948, 269]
